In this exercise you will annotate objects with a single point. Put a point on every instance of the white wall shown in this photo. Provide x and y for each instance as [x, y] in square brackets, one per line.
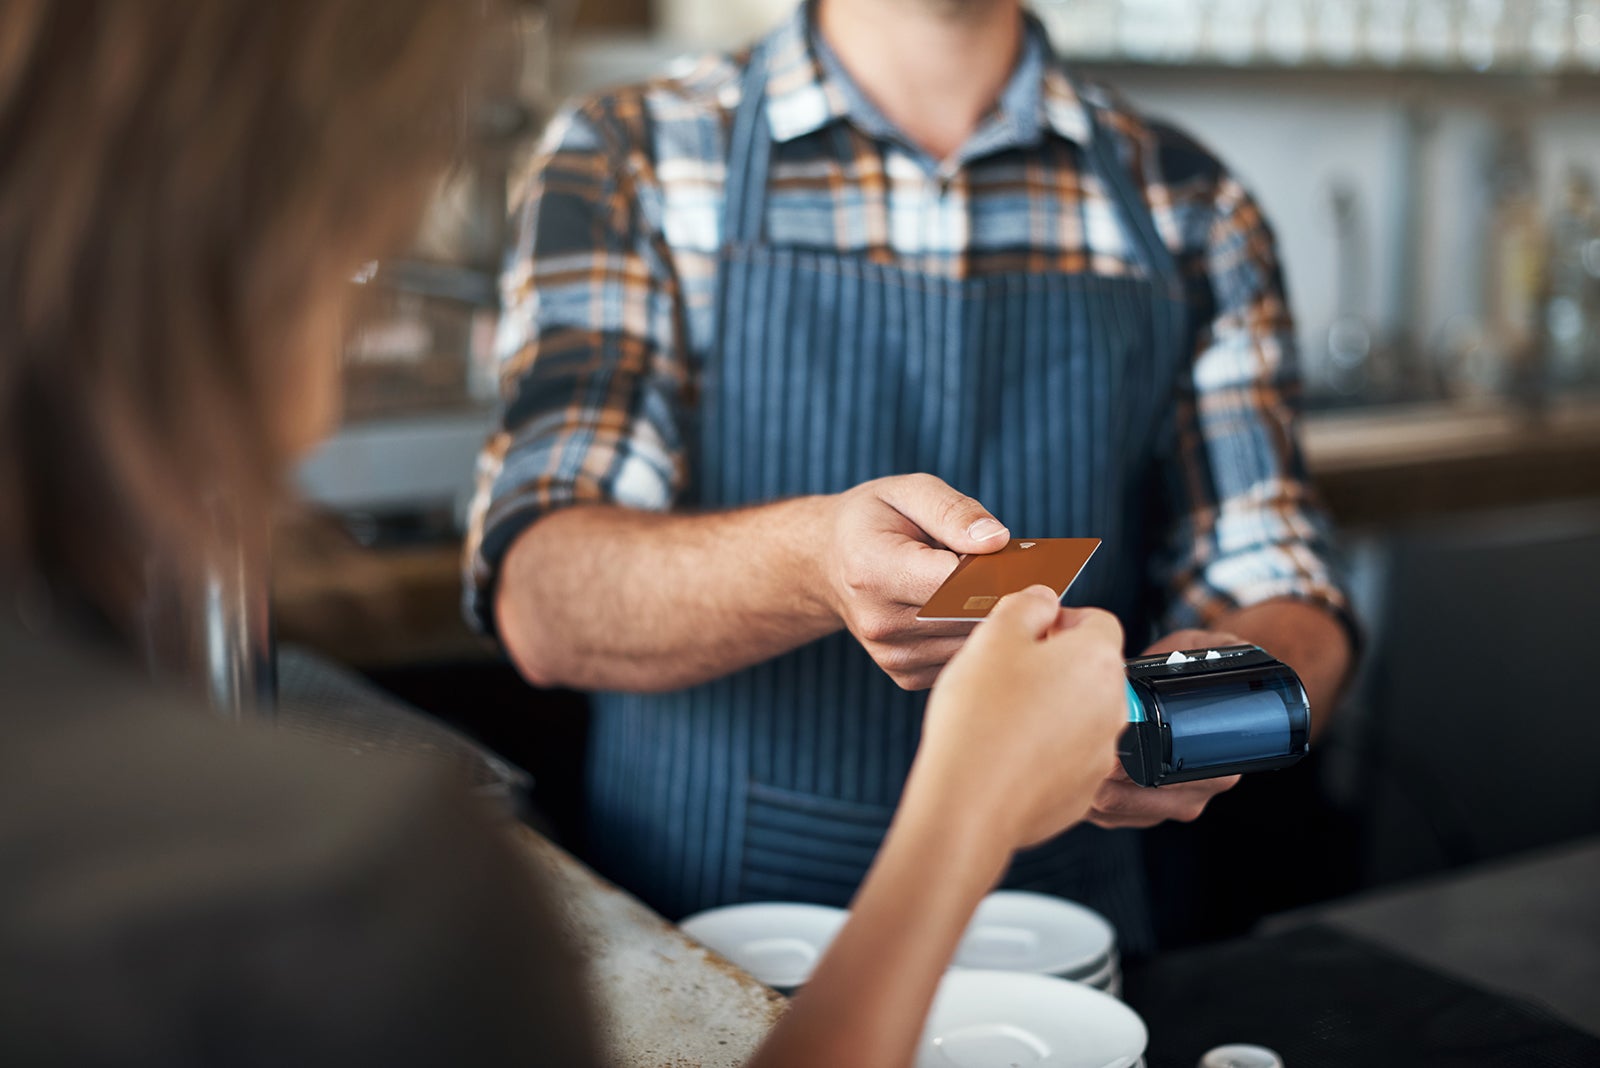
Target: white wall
[1291, 136]
[1290, 148]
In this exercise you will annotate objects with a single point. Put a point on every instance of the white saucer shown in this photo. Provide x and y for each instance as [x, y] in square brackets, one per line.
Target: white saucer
[1017, 931]
[1102, 979]
[777, 942]
[1011, 1019]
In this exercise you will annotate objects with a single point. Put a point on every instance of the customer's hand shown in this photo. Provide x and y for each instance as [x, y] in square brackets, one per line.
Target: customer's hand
[1023, 723]
[893, 543]
[1121, 802]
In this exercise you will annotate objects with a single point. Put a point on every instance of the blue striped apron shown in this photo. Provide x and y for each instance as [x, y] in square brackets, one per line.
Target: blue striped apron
[1041, 394]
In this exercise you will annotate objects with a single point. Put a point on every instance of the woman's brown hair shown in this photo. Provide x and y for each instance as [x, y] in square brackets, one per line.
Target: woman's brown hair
[184, 190]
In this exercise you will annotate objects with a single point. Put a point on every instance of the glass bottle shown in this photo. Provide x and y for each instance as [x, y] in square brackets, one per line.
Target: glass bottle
[1517, 257]
[1572, 299]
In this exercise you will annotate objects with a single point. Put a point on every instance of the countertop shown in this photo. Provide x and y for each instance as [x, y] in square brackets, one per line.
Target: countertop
[1484, 967]
[663, 1000]
[1526, 926]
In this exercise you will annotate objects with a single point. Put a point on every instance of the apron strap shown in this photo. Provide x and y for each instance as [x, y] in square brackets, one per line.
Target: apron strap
[749, 158]
[1137, 221]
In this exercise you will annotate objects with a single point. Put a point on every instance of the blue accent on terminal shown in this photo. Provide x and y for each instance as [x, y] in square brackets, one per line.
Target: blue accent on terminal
[1135, 706]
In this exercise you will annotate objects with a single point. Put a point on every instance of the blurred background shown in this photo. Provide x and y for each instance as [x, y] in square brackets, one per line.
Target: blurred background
[1430, 167]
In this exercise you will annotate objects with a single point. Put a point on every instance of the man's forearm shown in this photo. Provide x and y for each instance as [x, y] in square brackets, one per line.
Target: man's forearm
[600, 597]
[1307, 638]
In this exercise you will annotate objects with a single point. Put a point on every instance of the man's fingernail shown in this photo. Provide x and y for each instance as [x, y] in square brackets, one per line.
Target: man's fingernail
[984, 529]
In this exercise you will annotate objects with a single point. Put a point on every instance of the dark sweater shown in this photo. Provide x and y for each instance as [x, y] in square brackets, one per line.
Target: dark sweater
[175, 891]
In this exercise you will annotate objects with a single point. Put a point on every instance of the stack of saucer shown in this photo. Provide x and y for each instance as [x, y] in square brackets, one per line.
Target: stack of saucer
[778, 942]
[990, 1011]
[1007, 1019]
[1017, 931]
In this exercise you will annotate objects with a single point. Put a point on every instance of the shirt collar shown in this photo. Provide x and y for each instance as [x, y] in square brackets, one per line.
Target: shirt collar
[808, 89]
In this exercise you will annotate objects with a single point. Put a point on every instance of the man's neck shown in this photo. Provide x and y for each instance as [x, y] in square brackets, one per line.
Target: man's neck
[934, 68]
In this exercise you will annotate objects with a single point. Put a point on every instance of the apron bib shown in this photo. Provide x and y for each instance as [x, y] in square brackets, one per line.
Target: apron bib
[1039, 394]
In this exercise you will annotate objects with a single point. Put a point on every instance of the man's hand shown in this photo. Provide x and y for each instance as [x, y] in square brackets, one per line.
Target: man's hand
[894, 541]
[1121, 802]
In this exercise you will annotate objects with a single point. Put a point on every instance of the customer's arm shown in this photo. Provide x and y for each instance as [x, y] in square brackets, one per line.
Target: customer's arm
[576, 556]
[1019, 732]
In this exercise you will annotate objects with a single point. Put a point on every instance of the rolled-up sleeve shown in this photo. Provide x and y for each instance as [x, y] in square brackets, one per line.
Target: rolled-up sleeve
[590, 346]
[1246, 526]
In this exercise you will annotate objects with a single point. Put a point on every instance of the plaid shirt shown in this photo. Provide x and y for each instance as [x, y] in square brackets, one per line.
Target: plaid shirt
[608, 296]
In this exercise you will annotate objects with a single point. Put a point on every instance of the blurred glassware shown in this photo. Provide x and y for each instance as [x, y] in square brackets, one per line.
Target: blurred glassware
[424, 344]
[1233, 31]
[1516, 256]
[1337, 31]
[1143, 28]
[1572, 299]
[1387, 31]
[206, 625]
[1433, 33]
[1161, 31]
[718, 23]
[1586, 33]
[1550, 34]
[1094, 22]
[1481, 33]
[1186, 29]
[1348, 358]
[1461, 355]
[1286, 31]
[1082, 29]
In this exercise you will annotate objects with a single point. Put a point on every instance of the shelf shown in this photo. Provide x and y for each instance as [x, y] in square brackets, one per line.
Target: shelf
[1364, 78]
[1417, 462]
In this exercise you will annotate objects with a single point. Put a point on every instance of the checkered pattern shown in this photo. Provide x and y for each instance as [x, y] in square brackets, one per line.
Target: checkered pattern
[608, 295]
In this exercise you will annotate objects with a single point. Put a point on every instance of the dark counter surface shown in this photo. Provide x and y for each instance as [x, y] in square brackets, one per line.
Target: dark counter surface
[1528, 927]
[1323, 998]
[1496, 965]
[1493, 965]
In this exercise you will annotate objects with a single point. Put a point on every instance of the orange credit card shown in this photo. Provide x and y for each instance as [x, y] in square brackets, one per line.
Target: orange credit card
[979, 581]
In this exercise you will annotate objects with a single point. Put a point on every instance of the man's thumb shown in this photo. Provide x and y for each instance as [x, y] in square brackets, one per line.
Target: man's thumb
[948, 516]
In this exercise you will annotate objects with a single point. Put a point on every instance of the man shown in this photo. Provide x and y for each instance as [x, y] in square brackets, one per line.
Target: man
[774, 330]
